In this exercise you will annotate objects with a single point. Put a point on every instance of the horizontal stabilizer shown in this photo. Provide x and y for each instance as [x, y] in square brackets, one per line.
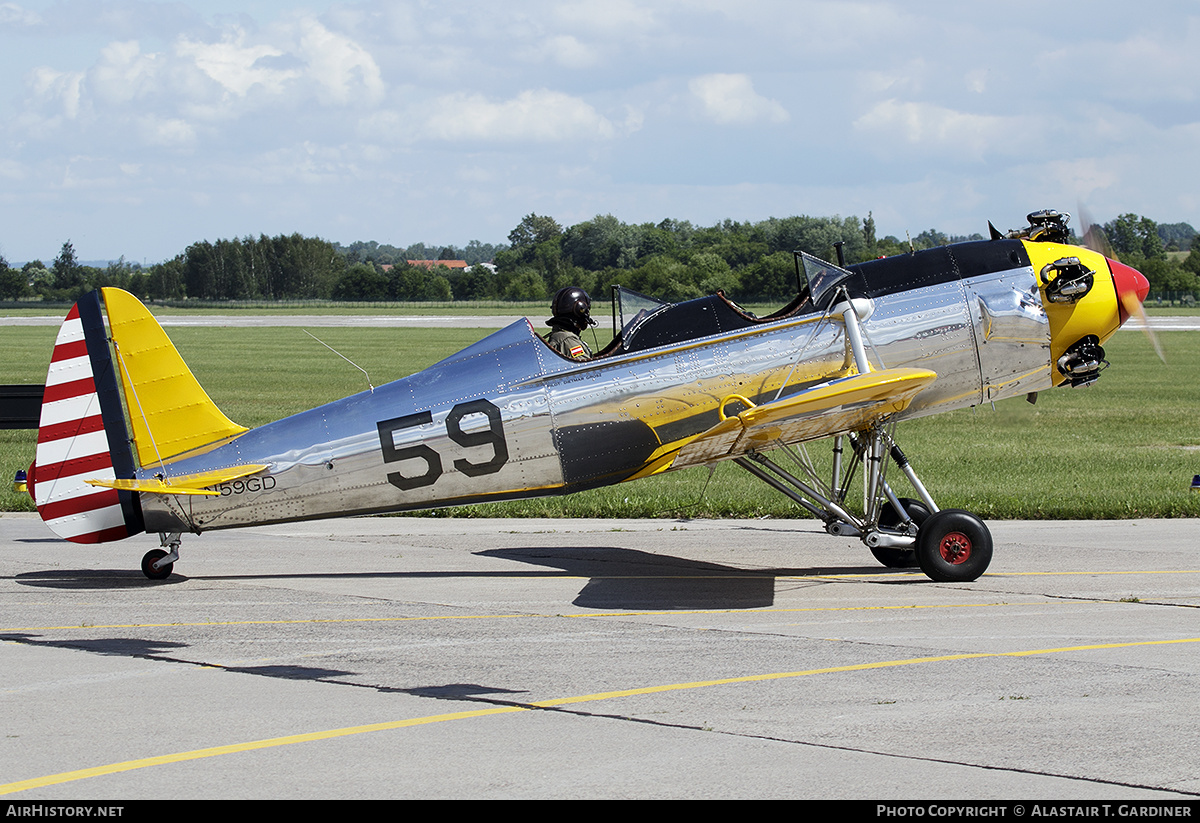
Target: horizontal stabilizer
[839, 406]
[198, 483]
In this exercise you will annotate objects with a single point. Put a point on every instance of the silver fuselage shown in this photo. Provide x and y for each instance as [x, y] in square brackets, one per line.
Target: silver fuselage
[508, 417]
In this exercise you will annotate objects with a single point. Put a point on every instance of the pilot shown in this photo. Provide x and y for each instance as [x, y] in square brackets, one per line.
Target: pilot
[571, 308]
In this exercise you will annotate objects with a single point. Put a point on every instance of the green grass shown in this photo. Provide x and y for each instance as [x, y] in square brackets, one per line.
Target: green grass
[538, 310]
[1126, 447]
[306, 307]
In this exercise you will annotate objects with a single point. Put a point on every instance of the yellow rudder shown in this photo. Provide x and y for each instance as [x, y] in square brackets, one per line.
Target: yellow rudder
[169, 412]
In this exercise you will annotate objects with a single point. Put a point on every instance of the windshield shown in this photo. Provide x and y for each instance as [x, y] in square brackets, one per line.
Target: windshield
[631, 308]
[820, 277]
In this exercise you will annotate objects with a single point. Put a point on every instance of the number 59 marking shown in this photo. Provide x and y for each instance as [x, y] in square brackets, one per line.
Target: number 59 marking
[493, 436]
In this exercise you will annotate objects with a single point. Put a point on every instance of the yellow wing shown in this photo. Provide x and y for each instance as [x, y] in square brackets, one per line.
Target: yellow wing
[836, 407]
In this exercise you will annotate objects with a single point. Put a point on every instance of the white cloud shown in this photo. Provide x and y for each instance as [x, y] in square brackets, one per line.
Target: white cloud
[568, 52]
[174, 133]
[1139, 66]
[977, 80]
[342, 70]
[12, 14]
[539, 115]
[309, 163]
[286, 63]
[894, 80]
[942, 129]
[60, 89]
[621, 18]
[164, 97]
[123, 73]
[730, 98]
[236, 66]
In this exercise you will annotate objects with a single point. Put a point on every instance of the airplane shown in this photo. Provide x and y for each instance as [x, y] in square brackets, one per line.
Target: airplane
[130, 443]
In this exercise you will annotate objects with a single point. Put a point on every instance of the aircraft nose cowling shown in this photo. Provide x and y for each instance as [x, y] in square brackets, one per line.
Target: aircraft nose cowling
[1132, 288]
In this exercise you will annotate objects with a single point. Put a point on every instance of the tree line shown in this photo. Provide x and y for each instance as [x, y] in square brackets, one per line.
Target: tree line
[672, 260]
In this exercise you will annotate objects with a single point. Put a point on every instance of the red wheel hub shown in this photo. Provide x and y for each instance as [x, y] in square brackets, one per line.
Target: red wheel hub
[955, 548]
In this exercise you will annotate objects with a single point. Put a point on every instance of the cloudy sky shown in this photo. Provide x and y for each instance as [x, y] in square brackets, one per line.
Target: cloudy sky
[135, 128]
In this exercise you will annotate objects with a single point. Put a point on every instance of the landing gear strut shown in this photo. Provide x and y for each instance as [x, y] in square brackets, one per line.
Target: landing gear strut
[950, 546]
[910, 513]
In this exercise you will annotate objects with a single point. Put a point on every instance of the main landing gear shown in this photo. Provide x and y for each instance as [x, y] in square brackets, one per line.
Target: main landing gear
[157, 563]
[949, 545]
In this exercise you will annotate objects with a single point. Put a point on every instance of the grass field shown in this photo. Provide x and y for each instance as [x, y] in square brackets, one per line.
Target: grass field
[1126, 447]
[309, 307]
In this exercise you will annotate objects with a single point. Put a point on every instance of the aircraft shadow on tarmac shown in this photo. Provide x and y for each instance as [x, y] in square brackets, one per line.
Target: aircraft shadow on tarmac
[110, 646]
[92, 579]
[630, 579]
[162, 650]
[618, 578]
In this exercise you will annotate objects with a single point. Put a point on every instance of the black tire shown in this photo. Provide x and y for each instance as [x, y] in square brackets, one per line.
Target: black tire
[954, 546]
[148, 569]
[918, 512]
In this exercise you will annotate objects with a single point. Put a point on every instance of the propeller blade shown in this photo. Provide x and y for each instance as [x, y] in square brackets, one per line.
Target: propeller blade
[1129, 302]
[1132, 285]
[1132, 288]
[1093, 236]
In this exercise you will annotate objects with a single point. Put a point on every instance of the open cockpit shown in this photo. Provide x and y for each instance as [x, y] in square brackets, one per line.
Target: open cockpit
[641, 322]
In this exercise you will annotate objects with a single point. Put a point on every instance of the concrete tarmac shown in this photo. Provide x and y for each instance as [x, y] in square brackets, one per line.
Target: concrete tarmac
[412, 657]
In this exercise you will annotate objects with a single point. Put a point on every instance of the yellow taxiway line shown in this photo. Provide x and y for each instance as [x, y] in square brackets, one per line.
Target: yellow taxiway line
[273, 742]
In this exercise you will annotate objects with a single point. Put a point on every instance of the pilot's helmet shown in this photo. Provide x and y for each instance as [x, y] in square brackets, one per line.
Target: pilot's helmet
[574, 304]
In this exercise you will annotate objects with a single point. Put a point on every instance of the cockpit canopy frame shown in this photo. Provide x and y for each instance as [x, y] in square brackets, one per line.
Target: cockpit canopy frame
[641, 322]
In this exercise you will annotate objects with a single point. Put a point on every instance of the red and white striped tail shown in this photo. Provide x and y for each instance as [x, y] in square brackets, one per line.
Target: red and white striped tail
[73, 444]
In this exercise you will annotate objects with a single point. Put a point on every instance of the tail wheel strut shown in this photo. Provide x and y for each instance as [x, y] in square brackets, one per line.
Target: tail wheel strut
[157, 563]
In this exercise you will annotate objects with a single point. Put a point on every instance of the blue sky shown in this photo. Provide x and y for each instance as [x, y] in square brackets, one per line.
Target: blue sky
[135, 128]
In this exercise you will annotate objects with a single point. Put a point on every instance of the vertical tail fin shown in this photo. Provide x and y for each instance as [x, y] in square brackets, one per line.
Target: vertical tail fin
[84, 442]
[168, 410]
[82, 436]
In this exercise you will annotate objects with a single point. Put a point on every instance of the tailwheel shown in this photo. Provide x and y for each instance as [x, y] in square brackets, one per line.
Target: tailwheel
[161, 573]
[954, 546]
[895, 558]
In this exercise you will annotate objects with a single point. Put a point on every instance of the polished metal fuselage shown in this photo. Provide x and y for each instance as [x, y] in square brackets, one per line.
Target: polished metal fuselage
[508, 417]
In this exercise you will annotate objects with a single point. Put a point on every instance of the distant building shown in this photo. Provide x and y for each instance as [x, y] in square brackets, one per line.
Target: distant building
[450, 264]
[429, 264]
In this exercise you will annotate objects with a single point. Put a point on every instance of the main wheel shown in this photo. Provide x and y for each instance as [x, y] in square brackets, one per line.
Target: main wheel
[893, 558]
[953, 546]
[148, 565]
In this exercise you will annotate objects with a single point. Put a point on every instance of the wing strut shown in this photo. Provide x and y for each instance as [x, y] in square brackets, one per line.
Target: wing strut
[949, 545]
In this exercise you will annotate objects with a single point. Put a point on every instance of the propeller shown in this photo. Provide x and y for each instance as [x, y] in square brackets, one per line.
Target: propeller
[1132, 285]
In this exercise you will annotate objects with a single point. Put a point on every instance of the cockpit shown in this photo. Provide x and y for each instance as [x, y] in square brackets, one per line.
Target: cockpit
[641, 322]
